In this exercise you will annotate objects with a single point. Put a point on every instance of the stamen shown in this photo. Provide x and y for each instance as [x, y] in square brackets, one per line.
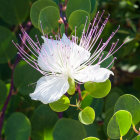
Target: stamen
[111, 62]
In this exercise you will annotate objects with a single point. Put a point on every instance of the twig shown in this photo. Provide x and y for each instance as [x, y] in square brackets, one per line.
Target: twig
[135, 130]
[76, 106]
[12, 83]
[79, 92]
[121, 138]
[60, 115]
[63, 16]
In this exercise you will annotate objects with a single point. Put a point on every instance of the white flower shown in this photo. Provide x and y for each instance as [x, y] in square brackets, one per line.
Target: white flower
[61, 59]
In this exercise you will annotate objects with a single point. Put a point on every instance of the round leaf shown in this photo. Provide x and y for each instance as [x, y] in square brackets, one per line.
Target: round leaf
[77, 18]
[7, 49]
[119, 124]
[98, 90]
[87, 115]
[33, 32]
[98, 105]
[108, 61]
[49, 19]
[92, 130]
[91, 138]
[130, 103]
[36, 9]
[43, 121]
[94, 4]
[79, 31]
[61, 105]
[87, 99]
[18, 127]
[69, 129]
[14, 12]
[25, 78]
[111, 99]
[71, 89]
[62, 29]
[73, 5]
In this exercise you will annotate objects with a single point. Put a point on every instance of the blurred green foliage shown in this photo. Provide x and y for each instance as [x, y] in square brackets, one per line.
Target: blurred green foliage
[27, 119]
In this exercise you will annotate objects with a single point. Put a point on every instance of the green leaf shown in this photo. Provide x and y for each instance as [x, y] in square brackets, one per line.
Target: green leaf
[49, 17]
[87, 100]
[98, 105]
[25, 78]
[73, 5]
[91, 138]
[72, 112]
[68, 129]
[79, 31]
[36, 32]
[87, 115]
[43, 121]
[62, 29]
[112, 97]
[61, 105]
[107, 31]
[3, 92]
[94, 4]
[14, 12]
[136, 138]
[130, 103]
[108, 61]
[7, 49]
[92, 130]
[36, 9]
[71, 89]
[18, 127]
[98, 90]
[57, 1]
[77, 18]
[119, 124]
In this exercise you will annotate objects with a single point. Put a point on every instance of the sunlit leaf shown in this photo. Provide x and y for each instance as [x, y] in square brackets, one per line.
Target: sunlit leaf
[119, 124]
[98, 90]
[87, 115]
[61, 105]
[130, 103]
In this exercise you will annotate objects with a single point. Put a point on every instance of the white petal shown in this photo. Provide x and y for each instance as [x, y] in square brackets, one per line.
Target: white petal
[78, 54]
[50, 89]
[48, 59]
[65, 40]
[93, 73]
[57, 56]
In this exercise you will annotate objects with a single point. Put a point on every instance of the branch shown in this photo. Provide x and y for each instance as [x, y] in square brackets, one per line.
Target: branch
[2, 114]
[135, 130]
[79, 92]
